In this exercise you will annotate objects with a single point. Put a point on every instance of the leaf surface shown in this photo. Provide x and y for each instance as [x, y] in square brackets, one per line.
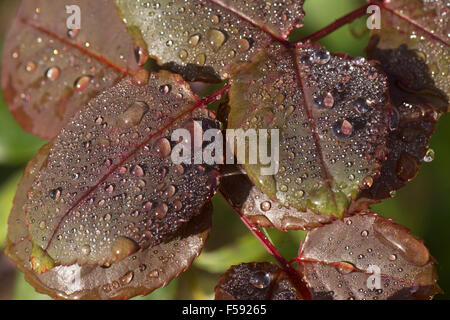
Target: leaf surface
[413, 47]
[206, 38]
[255, 281]
[110, 183]
[49, 71]
[242, 194]
[137, 274]
[408, 144]
[332, 114]
[342, 261]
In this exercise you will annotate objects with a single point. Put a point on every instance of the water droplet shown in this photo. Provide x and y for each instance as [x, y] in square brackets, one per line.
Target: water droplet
[361, 105]
[82, 83]
[55, 194]
[169, 192]
[201, 59]
[367, 182]
[194, 40]
[345, 267]
[52, 73]
[178, 205]
[31, 66]
[260, 280]
[343, 129]
[321, 57]
[124, 247]
[127, 278]
[140, 55]
[134, 114]
[429, 156]
[72, 33]
[217, 38]
[86, 250]
[165, 89]
[392, 257]
[161, 210]
[163, 147]
[153, 274]
[364, 233]
[215, 19]
[328, 101]
[266, 206]
[138, 171]
[183, 55]
[243, 45]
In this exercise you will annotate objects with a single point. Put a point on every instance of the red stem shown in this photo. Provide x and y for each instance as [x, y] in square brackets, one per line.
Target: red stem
[349, 18]
[284, 264]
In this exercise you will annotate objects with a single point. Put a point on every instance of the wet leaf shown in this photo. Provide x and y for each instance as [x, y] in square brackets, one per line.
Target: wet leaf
[137, 274]
[367, 257]
[109, 186]
[332, 114]
[417, 58]
[49, 71]
[407, 144]
[255, 281]
[242, 194]
[204, 39]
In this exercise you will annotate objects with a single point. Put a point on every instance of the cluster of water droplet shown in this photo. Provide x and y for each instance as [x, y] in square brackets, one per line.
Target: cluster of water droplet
[110, 175]
[206, 33]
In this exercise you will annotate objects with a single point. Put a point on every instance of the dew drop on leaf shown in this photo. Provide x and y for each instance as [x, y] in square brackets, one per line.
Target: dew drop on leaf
[429, 156]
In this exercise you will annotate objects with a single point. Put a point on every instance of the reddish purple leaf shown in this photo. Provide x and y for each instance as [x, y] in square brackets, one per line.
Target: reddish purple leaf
[367, 257]
[413, 47]
[205, 39]
[49, 71]
[138, 274]
[255, 281]
[109, 180]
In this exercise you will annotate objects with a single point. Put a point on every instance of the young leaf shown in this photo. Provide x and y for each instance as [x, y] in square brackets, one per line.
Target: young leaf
[332, 114]
[204, 39]
[138, 274]
[367, 257]
[242, 194]
[49, 71]
[255, 281]
[418, 56]
[110, 181]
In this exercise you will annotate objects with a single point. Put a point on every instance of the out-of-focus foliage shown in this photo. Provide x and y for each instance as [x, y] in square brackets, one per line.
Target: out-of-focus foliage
[422, 205]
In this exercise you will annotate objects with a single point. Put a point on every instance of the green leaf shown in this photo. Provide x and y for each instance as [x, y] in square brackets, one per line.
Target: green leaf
[218, 260]
[332, 114]
[242, 194]
[16, 146]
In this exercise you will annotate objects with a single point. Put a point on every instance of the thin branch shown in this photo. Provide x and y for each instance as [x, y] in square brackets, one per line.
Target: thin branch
[349, 18]
[284, 264]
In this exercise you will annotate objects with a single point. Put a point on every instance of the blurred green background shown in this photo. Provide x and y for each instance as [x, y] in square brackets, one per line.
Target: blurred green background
[423, 206]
